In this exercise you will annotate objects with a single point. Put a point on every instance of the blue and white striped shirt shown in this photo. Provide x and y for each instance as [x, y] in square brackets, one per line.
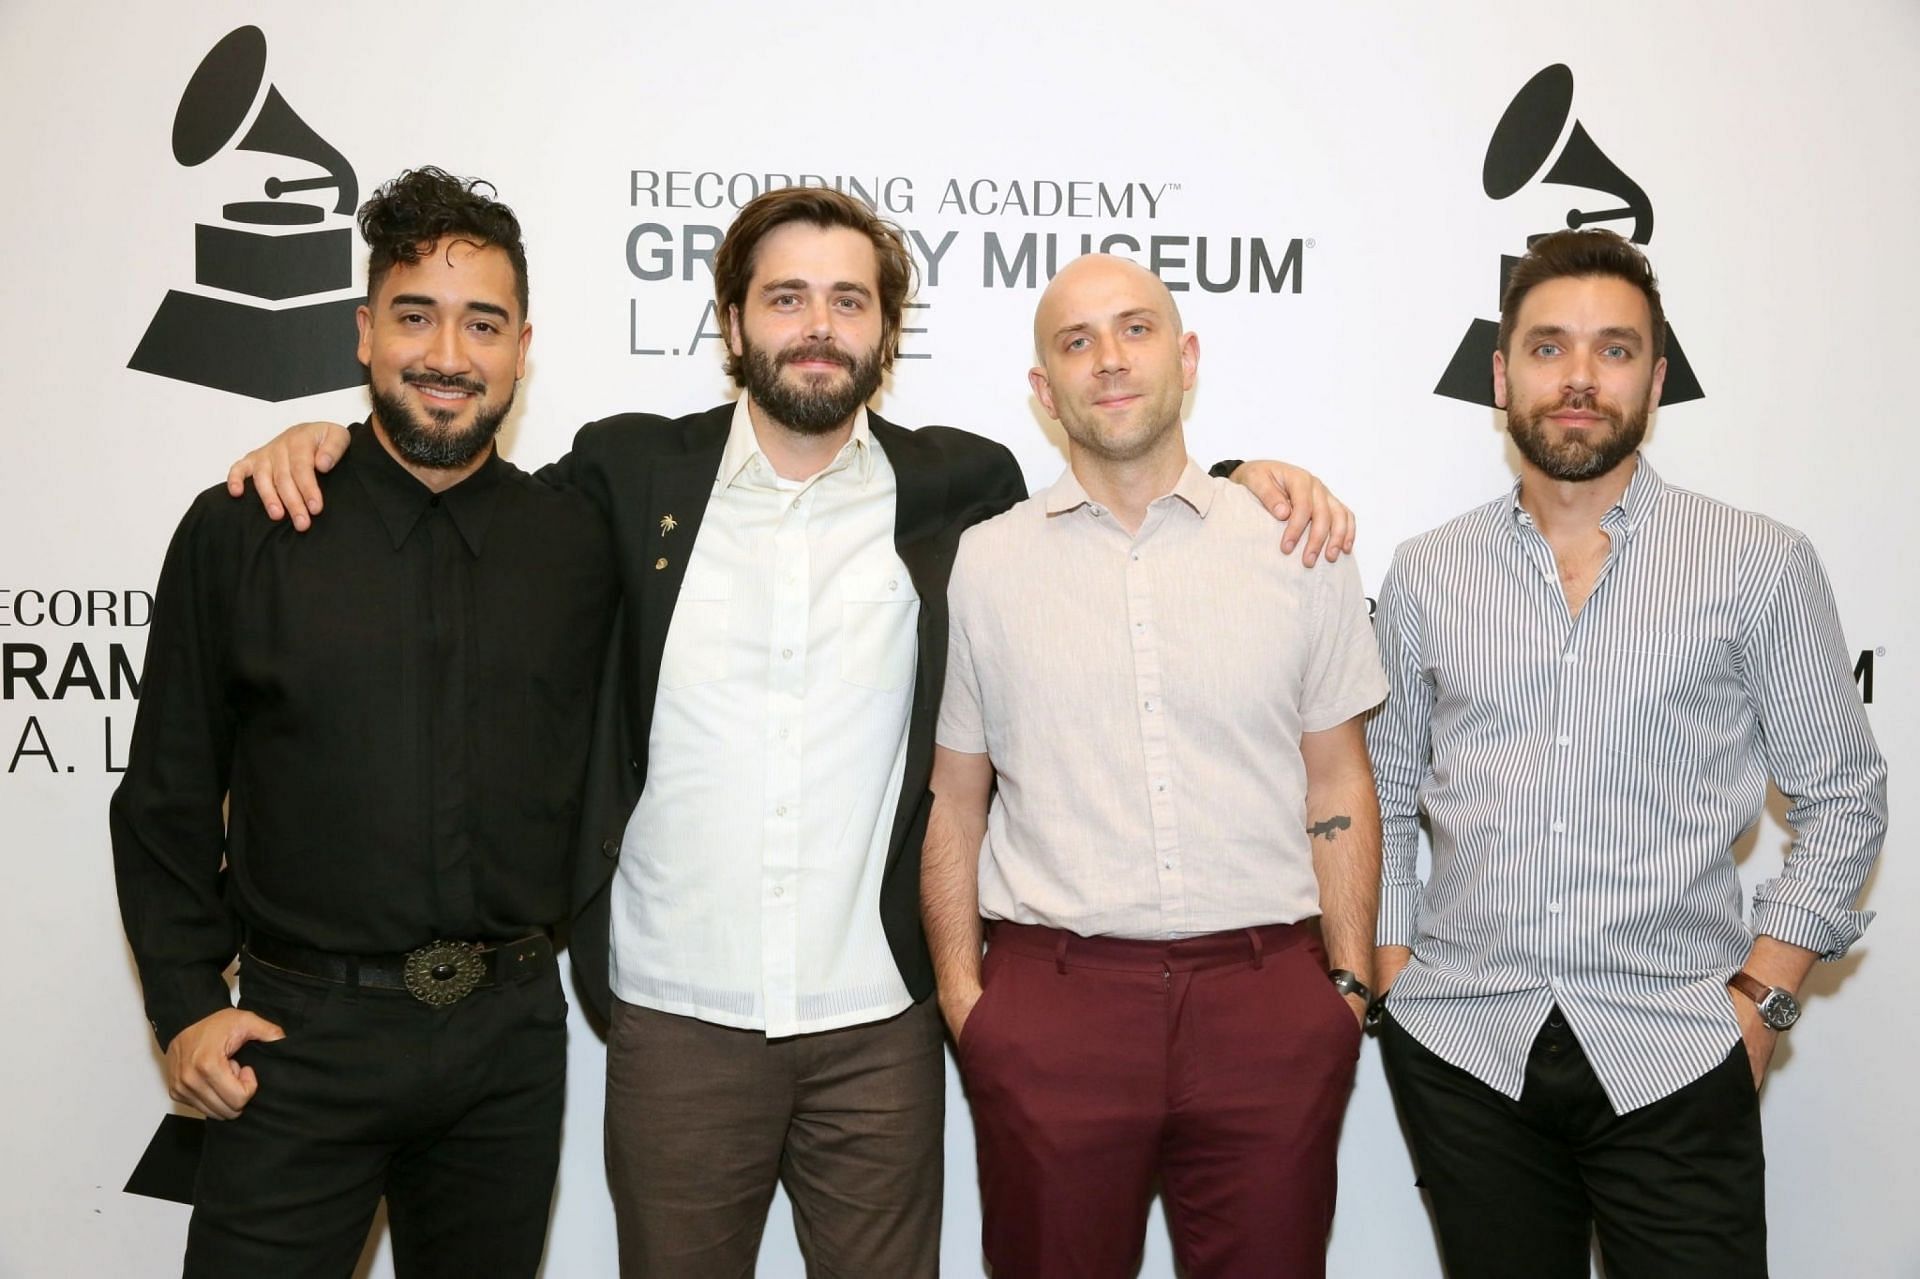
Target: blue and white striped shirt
[1585, 779]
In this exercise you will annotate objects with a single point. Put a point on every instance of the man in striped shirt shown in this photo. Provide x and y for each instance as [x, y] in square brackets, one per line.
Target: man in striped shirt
[1592, 679]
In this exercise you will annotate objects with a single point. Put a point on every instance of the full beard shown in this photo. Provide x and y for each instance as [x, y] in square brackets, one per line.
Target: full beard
[1580, 456]
[810, 408]
[426, 441]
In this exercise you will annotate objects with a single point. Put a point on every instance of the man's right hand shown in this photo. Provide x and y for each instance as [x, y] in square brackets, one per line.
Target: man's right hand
[200, 1068]
[957, 1007]
[285, 471]
[1387, 963]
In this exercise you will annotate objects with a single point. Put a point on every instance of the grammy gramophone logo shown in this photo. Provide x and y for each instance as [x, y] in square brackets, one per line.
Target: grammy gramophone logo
[264, 321]
[1532, 142]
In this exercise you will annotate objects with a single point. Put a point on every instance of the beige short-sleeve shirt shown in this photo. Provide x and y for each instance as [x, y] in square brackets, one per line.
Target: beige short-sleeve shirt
[1142, 698]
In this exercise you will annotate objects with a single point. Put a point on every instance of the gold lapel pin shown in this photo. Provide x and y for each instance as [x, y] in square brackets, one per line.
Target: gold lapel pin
[668, 524]
[660, 563]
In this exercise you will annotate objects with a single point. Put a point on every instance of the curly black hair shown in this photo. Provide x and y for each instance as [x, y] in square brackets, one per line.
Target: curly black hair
[423, 206]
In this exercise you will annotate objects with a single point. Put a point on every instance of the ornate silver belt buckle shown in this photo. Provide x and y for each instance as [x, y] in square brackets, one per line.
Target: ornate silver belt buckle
[444, 972]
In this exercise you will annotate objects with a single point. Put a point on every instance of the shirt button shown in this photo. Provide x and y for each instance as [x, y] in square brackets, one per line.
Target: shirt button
[778, 891]
[1169, 865]
[1563, 740]
[894, 585]
[783, 734]
[1136, 557]
[1553, 908]
[1148, 704]
[1559, 827]
[780, 811]
[796, 503]
[1161, 787]
[786, 652]
[1568, 658]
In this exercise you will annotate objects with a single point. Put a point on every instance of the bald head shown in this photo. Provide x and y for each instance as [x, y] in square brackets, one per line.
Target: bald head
[1114, 364]
[1080, 286]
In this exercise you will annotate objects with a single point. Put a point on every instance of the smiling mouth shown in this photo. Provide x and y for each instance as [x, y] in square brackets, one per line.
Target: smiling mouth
[444, 393]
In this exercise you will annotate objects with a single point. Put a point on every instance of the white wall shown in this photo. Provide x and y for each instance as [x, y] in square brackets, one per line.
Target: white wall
[1774, 141]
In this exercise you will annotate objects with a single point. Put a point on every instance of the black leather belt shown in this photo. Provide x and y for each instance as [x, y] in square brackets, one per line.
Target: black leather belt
[439, 973]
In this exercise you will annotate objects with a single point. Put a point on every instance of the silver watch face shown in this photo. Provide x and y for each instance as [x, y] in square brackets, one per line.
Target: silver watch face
[1779, 1009]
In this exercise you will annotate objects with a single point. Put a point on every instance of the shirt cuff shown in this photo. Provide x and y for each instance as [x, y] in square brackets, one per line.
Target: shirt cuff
[193, 1000]
[965, 741]
[1829, 936]
[1399, 913]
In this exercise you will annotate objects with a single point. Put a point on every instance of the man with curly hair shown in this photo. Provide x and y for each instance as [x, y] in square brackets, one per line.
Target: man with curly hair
[356, 767]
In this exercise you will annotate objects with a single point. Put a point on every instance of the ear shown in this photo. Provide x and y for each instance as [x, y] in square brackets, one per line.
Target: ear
[363, 318]
[1500, 380]
[1037, 379]
[1189, 359]
[1659, 382]
[526, 340]
[733, 331]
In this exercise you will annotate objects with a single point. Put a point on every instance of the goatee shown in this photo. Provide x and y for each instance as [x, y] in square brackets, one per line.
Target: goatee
[814, 407]
[1578, 456]
[431, 444]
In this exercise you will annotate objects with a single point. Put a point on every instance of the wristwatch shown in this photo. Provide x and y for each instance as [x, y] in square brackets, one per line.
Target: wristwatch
[1347, 984]
[1778, 1008]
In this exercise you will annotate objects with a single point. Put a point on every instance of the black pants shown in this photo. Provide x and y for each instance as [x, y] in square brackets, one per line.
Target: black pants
[1518, 1188]
[452, 1113]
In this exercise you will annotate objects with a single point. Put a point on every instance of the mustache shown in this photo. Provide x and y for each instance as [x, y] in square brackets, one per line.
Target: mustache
[445, 381]
[816, 351]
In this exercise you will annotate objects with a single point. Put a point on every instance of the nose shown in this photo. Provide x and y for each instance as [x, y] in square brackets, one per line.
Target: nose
[820, 317]
[1108, 355]
[1579, 371]
[448, 351]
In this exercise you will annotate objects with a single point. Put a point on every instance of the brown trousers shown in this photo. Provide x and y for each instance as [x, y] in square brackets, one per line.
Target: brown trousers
[1218, 1066]
[703, 1120]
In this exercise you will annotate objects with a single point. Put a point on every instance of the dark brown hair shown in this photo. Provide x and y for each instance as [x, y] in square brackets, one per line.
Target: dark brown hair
[1582, 253]
[733, 264]
[421, 207]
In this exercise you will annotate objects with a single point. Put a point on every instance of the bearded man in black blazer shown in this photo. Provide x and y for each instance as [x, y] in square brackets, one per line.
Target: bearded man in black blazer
[758, 778]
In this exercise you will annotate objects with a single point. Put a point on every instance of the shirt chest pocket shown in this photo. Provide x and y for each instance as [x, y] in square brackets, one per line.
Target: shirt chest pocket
[879, 613]
[696, 651]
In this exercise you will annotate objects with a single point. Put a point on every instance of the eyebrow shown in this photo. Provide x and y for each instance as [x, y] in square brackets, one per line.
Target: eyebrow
[1612, 333]
[1128, 314]
[421, 299]
[801, 286]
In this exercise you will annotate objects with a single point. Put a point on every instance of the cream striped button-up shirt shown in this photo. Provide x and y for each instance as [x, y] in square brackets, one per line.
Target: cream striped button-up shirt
[1142, 697]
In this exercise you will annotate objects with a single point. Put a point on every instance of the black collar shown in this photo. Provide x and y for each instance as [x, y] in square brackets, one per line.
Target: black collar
[401, 499]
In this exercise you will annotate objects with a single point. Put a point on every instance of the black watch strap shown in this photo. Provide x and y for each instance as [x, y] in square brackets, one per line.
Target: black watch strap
[1348, 984]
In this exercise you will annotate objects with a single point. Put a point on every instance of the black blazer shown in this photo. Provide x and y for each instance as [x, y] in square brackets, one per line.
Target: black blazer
[639, 468]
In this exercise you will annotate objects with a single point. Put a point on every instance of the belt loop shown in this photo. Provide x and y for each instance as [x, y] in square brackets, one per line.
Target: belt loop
[1060, 953]
[1253, 936]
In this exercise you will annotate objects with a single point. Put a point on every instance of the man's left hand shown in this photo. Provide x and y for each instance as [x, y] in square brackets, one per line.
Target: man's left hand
[1309, 508]
[1758, 1037]
[1359, 1007]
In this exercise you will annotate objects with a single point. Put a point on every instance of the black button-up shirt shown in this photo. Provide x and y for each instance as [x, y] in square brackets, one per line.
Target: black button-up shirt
[394, 708]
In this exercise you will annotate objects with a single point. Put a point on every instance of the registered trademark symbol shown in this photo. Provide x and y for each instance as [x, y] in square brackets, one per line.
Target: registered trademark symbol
[1880, 651]
[1310, 242]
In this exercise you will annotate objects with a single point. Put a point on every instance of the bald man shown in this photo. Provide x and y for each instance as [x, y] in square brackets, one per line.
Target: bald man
[1151, 782]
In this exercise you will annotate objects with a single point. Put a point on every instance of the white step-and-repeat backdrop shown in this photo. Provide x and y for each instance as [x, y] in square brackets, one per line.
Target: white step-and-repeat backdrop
[1331, 188]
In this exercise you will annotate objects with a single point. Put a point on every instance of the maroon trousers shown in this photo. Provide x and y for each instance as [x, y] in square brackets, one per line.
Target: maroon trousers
[1218, 1065]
